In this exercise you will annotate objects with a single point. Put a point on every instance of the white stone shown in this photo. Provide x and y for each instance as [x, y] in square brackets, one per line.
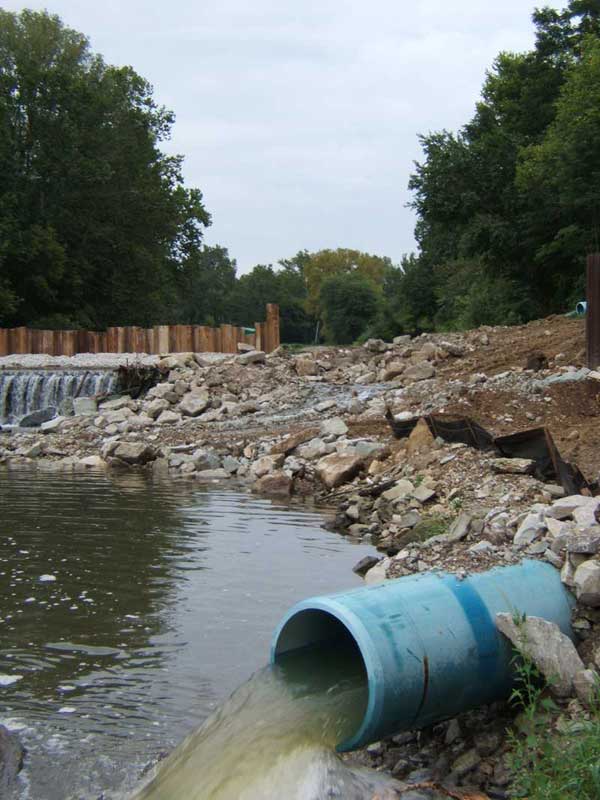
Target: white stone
[333, 427]
[587, 583]
[403, 489]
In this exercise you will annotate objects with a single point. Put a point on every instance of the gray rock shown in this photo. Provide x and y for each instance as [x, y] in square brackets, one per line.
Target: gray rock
[168, 417]
[406, 520]
[194, 404]
[459, 528]
[84, 406]
[587, 583]
[37, 418]
[587, 686]
[530, 529]
[134, 453]
[253, 357]
[377, 346]
[155, 407]
[552, 652]
[378, 573]
[52, 425]
[424, 493]
[513, 466]
[365, 564]
[333, 427]
[420, 372]
[400, 341]
[231, 464]
[466, 763]
[482, 547]
[306, 366]
[586, 542]
[212, 474]
[34, 450]
[276, 484]
[206, 459]
[266, 464]
[400, 491]
[115, 403]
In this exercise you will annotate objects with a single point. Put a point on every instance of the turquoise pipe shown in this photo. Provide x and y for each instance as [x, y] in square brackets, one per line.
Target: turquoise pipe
[429, 643]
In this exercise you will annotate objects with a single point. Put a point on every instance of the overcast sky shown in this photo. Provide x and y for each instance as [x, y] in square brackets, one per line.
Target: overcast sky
[299, 120]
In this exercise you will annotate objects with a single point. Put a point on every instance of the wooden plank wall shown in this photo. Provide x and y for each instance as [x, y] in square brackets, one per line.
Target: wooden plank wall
[158, 340]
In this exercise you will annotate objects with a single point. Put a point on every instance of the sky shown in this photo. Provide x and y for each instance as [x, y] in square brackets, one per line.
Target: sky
[299, 121]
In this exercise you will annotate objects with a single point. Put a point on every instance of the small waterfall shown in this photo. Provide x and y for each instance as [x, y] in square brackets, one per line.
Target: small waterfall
[25, 390]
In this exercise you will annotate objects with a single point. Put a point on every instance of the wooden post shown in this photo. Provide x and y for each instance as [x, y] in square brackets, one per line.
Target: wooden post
[592, 320]
[4, 350]
[272, 338]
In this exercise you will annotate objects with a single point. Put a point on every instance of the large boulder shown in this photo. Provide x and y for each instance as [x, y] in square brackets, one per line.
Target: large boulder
[276, 484]
[253, 357]
[552, 652]
[84, 406]
[306, 366]
[194, 404]
[334, 427]
[587, 583]
[420, 372]
[335, 469]
[37, 418]
[266, 464]
[155, 407]
[134, 453]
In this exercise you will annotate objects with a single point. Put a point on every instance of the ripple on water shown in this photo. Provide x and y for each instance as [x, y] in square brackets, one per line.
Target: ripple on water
[164, 600]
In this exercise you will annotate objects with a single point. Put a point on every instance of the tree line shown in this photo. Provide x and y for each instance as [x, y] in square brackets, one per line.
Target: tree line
[97, 227]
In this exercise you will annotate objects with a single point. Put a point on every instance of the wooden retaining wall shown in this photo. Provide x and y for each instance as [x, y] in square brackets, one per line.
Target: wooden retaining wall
[160, 339]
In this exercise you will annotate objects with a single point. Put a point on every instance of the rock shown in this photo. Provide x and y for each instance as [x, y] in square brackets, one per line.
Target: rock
[587, 686]
[378, 573]
[206, 459]
[242, 347]
[393, 370]
[466, 763]
[252, 357]
[401, 341]
[420, 371]
[52, 425]
[325, 406]
[277, 484]
[231, 465]
[305, 366]
[552, 652]
[134, 453]
[586, 542]
[93, 462]
[459, 528]
[365, 564]
[155, 407]
[333, 427]
[587, 583]
[164, 390]
[168, 417]
[407, 520]
[420, 440]
[513, 466]
[290, 443]
[529, 530]
[34, 450]
[12, 753]
[587, 515]
[115, 403]
[267, 464]
[176, 361]
[313, 449]
[402, 489]
[482, 547]
[377, 346]
[37, 418]
[84, 405]
[218, 474]
[424, 493]
[564, 508]
[335, 469]
[194, 404]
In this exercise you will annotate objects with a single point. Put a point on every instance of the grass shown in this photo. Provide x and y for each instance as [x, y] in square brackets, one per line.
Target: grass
[550, 760]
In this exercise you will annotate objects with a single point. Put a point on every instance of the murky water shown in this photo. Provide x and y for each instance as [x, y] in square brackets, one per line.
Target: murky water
[130, 610]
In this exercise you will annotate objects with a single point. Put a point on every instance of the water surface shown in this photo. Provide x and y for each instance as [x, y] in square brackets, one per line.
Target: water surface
[131, 609]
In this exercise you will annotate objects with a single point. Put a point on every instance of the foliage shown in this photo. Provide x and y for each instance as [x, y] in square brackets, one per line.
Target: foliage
[94, 219]
[549, 764]
[349, 302]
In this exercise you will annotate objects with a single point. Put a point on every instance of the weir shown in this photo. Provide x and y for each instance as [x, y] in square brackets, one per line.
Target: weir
[26, 390]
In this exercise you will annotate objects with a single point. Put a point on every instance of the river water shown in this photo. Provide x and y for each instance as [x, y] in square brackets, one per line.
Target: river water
[131, 610]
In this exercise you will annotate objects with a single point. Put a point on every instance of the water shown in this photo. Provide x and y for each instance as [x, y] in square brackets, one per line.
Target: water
[27, 390]
[131, 610]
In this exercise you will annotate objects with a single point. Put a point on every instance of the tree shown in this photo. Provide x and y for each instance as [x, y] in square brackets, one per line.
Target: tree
[349, 302]
[95, 219]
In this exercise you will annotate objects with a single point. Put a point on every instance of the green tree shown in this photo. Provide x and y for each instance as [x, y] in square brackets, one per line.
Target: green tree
[95, 219]
[349, 302]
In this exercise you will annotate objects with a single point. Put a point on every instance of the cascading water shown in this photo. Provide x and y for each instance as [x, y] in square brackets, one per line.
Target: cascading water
[275, 737]
[25, 390]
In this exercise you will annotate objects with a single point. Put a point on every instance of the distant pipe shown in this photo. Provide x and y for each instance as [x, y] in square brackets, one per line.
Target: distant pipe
[428, 642]
[581, 307]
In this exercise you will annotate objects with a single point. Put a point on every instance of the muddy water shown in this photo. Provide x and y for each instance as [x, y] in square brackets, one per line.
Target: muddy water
[130, 611]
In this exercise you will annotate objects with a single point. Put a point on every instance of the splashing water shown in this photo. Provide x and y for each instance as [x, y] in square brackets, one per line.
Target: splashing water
[275, 737]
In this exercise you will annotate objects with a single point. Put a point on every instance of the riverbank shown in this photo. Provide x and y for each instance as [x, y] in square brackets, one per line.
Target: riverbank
[313, 423]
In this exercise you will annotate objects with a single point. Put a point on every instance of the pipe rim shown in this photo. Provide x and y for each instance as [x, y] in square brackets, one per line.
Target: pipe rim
[370, 657]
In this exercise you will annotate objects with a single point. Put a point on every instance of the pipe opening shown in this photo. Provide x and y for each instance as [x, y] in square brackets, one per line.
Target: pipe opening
[314, 647]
